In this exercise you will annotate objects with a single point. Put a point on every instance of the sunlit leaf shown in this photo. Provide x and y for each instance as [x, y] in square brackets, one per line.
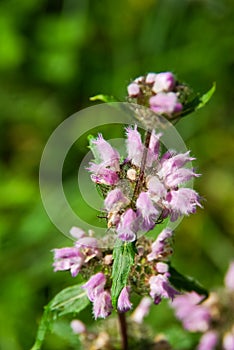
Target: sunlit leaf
[104, 98]
[70, 300]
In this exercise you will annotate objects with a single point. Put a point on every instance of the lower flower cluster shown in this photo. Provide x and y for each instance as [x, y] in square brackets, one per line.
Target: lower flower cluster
[213, 317]
[153, 278]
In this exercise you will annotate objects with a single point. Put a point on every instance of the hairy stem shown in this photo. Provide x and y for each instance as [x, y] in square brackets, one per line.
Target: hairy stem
[139, 183]
[123, 330]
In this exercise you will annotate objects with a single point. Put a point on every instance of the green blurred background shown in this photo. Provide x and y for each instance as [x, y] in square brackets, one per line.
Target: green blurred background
[54, 55]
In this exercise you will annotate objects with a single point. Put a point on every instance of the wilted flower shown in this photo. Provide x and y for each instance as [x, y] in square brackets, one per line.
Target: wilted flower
[102, 305]
[124, 303]
[95, 285]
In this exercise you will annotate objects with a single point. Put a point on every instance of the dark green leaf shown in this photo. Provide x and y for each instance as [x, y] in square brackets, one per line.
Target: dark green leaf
[123, 255]
[70, 300]
[104, 98]
[186, 283]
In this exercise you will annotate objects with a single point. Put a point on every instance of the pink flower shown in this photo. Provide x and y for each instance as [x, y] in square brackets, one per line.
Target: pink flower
[133, 90]
[228, 341]
[182, 202]
[134, 146]
[142, 310]
[127, 227]
[161, 288]
[165, 103]
[163, 82]
[102, 175]
[95, 286]
[105, 153]
[229, 278]
[115, 200]
[102, 305]
[124, 303]
[147, 210]
[208, 341]
[161, 247]
[150, 78]
[70, 258]
[194, 316]
[78, 327]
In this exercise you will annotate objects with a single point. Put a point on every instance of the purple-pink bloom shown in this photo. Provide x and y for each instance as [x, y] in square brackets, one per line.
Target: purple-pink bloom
[127, 227]
[182, 202]
[164, 81]
[147, 211]
[179, 176]
[150, 78]
[161, 247]
[209, 341]
[229, 277]
[104, 153]
[153, 150]
[102, 175]
[171, 161]
[134, 145]
[102, 305]
[77, 232]
[161, 267]
[95, 286]
[69, 258]
[194, 316]
[142, 310]
[115, 199]
[161, 288]
[157, 189]
[78, 327]
[133, 90]
[124, 303]
[165, 103]
[228, 341]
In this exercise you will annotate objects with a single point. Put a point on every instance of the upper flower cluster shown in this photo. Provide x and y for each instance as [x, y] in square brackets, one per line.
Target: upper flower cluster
[144, 188]
[160, 92]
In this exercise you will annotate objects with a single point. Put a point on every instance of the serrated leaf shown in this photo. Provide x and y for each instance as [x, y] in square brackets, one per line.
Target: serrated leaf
[198, 102]
[70, 300]
[186, 283]
[123, 255]
[104, 98]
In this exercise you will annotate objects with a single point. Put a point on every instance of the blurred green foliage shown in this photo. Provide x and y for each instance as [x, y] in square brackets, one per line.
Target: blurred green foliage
[54, 55]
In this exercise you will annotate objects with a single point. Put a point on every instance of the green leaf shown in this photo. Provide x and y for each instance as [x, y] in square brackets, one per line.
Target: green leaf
[70, 300]
[104, 98]
[186, 283]
[123, 255]
[206, 97]
[198, 102]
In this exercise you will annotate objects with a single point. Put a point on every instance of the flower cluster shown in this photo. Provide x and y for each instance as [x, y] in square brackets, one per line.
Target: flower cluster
[160, 92]
[153, 278]
[144, 188]
[213, 317]
[73, 258]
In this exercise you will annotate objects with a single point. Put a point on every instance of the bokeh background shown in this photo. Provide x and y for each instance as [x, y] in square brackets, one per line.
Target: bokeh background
[54, 55]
